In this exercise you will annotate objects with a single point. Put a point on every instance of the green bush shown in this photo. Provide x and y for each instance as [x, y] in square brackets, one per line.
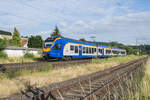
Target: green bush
[3, 55]
[45, 68]
[2, 44]
[12, 74]
[28, 55]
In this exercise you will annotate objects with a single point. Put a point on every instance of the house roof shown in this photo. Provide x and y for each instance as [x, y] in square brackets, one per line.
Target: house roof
[23, 43]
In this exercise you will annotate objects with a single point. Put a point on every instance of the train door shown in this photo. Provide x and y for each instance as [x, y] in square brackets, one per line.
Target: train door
[80, 51]
[56, 50]
[104, 52]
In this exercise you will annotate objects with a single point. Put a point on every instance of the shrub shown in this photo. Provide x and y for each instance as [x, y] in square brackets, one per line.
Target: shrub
[2, 44]
[3, 55]
[46, 68]
[12, 74]
[28, 55]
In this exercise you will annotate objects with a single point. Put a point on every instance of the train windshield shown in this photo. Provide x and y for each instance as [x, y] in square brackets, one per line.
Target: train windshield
[48, 44]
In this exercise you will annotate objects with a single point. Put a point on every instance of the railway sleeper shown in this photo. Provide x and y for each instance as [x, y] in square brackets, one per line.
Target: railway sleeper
[72, 97]
[79, 92]
[93, 86]
[67, 96]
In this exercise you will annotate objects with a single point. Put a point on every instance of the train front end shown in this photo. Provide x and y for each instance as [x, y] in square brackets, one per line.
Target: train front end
[47, 47]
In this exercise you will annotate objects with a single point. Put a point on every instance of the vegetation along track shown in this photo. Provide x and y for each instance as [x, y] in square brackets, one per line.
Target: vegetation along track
[87, 87]
[37, 65]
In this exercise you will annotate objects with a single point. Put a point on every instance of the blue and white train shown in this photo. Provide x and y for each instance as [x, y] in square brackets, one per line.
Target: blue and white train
[64, 48]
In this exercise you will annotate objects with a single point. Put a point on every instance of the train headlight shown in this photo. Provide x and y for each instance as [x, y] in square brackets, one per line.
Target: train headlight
[46, 49]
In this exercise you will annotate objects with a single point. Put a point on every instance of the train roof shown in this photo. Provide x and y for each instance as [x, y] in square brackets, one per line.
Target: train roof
[80, 42]
[89, 43]
[50, 39]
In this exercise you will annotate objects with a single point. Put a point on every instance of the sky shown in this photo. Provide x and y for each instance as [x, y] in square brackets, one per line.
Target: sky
[124, 21]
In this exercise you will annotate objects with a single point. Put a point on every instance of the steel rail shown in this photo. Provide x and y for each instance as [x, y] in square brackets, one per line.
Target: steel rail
[101, 91]
[61, 92]
[37, 65]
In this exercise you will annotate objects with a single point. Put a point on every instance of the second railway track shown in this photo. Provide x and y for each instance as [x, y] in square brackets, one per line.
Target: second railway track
[84, 87]
[37, 65]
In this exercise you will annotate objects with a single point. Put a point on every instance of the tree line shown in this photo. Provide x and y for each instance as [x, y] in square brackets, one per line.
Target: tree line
[136, 50]
[33, 41]
[37, 42]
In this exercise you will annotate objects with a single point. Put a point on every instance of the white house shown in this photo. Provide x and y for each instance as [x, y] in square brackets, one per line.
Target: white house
[19, 51]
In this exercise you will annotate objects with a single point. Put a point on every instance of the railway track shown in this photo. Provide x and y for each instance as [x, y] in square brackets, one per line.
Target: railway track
[89, 87]
[35, 66]
[101, 92]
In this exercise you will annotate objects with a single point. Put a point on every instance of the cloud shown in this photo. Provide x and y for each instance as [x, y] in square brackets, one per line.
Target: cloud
[99, 11]
[44, 32]
[121, 28]
[108, 20]
[63, 24]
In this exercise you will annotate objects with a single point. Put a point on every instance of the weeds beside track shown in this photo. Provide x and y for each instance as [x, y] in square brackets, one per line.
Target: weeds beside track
[105, 92]
[87, 87]
[79, 92]
[37, 66]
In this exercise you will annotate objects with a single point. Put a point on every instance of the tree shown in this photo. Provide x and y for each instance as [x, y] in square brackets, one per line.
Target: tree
[35, 42]
[16, 40]
[113, 44]
[128, 49]
[2, 44]
[56, 33]
[82, 39]
[2, 47]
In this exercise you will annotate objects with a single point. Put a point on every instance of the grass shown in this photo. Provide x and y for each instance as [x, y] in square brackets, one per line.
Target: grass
[143, 87]
[10, 85]
[13, 74]
[119, 60]
[134, 87]
[20, 59]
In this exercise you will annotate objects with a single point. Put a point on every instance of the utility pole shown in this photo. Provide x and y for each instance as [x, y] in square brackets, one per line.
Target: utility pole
[136, 42]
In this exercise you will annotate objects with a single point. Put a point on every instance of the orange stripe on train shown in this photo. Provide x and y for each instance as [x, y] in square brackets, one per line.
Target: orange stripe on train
[46, 49]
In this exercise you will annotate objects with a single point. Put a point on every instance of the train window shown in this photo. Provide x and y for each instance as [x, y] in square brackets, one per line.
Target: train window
[118, 52]
[57, 46]
[84, 50]
[71, 47]
[115, 52]
[76, 49]
[100, 51]
[94, 49]
[122, 52]
[87, 51]
[48, 44]
[90, 50]
[108, 51]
